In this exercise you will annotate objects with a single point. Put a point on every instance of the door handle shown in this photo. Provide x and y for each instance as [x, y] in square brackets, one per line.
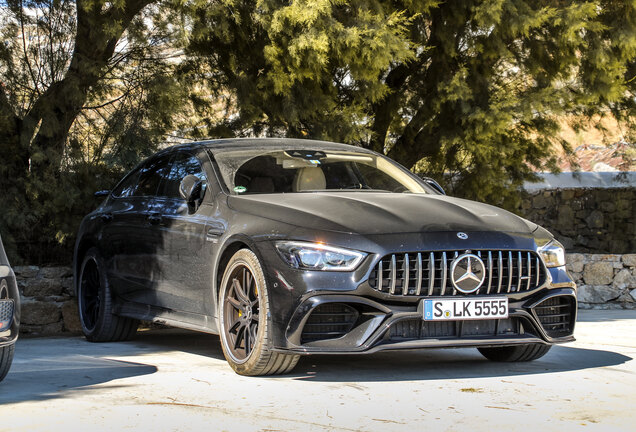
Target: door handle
[155, 218]
[107, 217]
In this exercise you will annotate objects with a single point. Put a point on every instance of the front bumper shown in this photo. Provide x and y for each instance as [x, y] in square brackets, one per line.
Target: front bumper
[9, 307]
[341, 313]
[380, 327]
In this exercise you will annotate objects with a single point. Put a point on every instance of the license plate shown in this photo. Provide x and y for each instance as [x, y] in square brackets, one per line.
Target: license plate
[465, 309]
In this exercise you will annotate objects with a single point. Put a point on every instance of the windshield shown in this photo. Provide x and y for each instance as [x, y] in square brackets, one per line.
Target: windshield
[264, 171]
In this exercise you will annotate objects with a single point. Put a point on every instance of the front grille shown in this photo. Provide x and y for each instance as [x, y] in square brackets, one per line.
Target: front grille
[329, 321]
[428, 273]
[414, 329]
[6, 314]
[555, 315]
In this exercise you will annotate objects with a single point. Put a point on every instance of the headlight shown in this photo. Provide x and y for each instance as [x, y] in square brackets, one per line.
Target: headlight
[315, 256]
[553, 254]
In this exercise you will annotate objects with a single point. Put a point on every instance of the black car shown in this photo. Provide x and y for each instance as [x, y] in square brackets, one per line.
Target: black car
[9, 313]
[288, 247]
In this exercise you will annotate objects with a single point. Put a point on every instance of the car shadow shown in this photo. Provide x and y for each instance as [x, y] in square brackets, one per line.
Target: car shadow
[50, 371]
[405, 365]
[46, 369]
[436, 364]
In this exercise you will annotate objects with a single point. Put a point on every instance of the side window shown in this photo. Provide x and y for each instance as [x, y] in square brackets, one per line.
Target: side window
[151, 175]
[127, 186]
[184, 164]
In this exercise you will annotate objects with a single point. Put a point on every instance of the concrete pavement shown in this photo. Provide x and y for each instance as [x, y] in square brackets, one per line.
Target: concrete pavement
[173, 380]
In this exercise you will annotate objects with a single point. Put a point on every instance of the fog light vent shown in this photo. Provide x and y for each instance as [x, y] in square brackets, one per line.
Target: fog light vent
[555, 315]
[329, 321]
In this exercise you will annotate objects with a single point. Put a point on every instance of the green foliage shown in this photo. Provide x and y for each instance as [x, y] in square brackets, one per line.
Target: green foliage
[469, 92]
[124, 100]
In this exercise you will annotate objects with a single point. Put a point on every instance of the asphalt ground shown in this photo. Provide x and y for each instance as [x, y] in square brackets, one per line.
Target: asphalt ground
[173, 380]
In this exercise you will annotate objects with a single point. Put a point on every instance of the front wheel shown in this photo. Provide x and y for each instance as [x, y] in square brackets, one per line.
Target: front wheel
[515, 353]
[94, 298]
[6, 358]
[244, 320]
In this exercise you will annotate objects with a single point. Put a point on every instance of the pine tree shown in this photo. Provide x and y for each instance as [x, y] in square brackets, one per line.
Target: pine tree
[469, 92]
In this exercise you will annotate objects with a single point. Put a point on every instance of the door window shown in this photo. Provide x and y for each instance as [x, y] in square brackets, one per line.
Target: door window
[183, 165]
[151, 176]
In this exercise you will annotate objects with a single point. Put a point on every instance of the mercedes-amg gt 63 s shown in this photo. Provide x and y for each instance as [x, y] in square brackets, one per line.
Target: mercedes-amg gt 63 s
[9, 313]
[292, 247]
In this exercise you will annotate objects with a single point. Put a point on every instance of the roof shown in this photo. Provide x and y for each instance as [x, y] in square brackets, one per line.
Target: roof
[222, 145]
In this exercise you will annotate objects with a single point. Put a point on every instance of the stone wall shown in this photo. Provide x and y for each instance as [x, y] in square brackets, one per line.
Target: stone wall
[601, 220]
[48, 304]
[49, 307]
[604, 281]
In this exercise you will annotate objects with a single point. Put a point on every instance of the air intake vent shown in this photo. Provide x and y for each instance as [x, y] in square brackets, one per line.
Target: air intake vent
[329, 321]
[555, 315]
[418, 329]
[428, 273]
[6, 314]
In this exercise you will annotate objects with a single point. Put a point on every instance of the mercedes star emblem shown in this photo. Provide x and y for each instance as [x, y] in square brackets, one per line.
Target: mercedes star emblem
[462, 235]
[467, 273]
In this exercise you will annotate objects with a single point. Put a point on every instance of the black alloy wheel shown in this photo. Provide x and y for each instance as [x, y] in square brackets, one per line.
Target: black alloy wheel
[241, 312]
[89, 295]
[243, 320]
[94, 298]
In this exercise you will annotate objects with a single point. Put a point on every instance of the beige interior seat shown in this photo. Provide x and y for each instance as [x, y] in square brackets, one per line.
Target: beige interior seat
[309, 178]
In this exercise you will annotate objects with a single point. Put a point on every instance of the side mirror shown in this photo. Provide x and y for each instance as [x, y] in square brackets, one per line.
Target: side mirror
[190, 188]
[432, 183]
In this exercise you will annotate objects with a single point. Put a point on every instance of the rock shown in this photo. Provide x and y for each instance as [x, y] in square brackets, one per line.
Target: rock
[597, 294]
[595, 219]
[632, 293]
[40, 312]
[67, 286]
[608, 207]
[629, 260]
[42, 330]
[26, 271]
[40, 287]
[575, 262]
[70, 314]
[56, 272]
[598, 273]
[624, 279]
[565, 217]
[540, 201]
[567, 194]
[575, 267]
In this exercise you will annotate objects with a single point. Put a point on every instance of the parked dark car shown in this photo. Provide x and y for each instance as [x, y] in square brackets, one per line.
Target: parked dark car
[289, 247]
[9, 313]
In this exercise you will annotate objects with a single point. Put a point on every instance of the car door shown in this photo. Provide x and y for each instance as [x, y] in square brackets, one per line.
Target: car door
[187, 263]
[132, 233]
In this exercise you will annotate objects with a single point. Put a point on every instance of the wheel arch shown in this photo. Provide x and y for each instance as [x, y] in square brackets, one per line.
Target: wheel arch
[230, 247]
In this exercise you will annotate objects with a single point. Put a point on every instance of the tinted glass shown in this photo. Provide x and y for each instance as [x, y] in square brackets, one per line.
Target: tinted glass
[183, 165]
[127, 186]
[261, 171]
[151, 176]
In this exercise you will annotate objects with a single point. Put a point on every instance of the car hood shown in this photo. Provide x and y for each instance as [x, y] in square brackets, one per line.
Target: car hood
[370, 213]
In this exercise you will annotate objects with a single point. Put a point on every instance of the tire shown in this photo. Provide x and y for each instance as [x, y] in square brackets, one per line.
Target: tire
[244, 323]
[94, 298]
[515, 353]
[6, 358]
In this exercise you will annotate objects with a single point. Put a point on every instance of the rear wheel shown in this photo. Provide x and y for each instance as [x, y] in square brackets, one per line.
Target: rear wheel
[6, 358]
[94, 297]
[515, 353]
[243, 320]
